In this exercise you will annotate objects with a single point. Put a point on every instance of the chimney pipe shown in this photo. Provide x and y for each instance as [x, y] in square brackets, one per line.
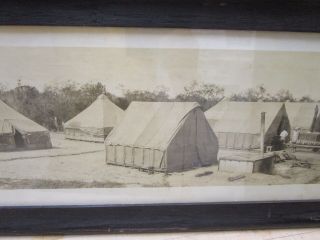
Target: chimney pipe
[262, 132]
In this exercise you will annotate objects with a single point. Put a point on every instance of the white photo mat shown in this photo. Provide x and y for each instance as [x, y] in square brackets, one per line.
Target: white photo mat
[157, 38]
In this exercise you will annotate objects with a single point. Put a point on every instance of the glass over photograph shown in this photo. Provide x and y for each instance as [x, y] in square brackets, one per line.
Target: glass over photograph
[139, 108]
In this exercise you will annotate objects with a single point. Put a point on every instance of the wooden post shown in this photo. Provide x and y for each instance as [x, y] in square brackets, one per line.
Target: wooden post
[262, 132]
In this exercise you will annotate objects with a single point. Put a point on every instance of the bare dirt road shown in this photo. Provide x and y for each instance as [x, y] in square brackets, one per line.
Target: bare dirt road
[76, 164]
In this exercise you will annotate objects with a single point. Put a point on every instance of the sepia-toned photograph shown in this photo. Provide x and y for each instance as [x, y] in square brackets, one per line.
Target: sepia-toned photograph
[151, 108]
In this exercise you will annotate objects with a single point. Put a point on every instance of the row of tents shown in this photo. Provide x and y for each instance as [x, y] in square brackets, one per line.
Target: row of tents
[238, 125]
[163, 136]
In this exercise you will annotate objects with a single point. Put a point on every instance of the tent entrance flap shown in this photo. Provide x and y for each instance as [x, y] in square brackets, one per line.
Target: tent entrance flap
[23, 132]
[18, 138]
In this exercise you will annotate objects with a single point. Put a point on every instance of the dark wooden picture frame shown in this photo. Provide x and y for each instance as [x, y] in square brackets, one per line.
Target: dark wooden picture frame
[267, 15]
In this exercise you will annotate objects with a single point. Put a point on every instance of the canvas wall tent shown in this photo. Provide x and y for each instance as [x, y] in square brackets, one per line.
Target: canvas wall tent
[163, 136]
[237, 124]
[301, 114]
[95, 122]
[18, 131]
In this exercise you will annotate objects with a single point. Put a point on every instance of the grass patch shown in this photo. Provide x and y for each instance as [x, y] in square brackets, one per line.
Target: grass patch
[7, 183]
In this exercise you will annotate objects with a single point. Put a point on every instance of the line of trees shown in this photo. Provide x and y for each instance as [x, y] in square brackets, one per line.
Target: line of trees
[64, 102]
[260, 93]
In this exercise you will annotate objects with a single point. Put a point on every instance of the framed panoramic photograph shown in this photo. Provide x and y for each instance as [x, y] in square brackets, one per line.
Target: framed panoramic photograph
[150, 116]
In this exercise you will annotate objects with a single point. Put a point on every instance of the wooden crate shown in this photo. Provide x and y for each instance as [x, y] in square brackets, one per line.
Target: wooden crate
[247, 163]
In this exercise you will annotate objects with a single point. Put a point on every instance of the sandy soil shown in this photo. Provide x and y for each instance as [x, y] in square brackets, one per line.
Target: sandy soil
[76, 164]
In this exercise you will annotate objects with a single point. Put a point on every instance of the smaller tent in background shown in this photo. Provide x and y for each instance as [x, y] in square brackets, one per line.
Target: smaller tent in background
[162, 136]
[20, 132]
[301, 114]
[95, 122]
[237, 124]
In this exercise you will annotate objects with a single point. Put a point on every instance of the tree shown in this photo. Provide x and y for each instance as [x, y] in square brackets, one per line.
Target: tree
[158, 95]
[256, 94]
[206, 95]
[161, 94]
[284, 96]
[260, 93]
[306, 99]
[90, 92]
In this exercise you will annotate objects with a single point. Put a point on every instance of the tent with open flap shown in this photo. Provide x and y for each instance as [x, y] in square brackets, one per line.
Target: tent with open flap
[18, 131]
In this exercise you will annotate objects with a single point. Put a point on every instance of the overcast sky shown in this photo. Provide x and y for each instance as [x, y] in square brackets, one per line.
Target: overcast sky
[144, 59]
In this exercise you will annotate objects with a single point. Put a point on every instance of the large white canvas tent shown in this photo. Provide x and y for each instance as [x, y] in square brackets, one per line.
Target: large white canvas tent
[95, 122]
[18, 131]
[238, 124]
[162, 136]
[301, 115]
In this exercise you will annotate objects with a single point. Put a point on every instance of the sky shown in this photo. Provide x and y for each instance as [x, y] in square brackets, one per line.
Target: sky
[123, 58]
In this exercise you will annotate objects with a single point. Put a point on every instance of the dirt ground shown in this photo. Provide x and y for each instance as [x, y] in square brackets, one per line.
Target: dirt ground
[77, 164]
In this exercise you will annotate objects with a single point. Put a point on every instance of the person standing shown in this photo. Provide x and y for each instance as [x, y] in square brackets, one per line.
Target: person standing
[55, 123]
[295, 135]
[283, 137]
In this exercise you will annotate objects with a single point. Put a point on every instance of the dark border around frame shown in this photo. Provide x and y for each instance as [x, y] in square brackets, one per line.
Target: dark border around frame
[271, 15]
[157, 218]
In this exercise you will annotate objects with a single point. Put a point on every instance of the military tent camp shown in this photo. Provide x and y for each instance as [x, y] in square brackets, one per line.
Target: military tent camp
[20, 132]
[301, 115]
[238, 124]
[95, 122]
[162, 136]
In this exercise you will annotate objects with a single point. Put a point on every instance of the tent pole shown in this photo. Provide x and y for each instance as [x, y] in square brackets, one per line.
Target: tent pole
[314, 120]
[262, 132]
